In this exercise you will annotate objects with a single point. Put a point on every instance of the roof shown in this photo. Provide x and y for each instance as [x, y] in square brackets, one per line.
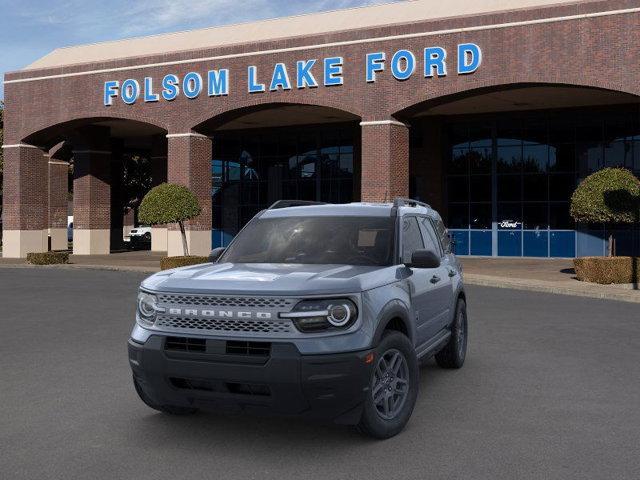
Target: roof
[355, 209]
[279, 28]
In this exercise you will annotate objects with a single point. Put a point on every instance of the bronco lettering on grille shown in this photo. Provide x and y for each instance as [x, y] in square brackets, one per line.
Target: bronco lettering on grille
[218, 313]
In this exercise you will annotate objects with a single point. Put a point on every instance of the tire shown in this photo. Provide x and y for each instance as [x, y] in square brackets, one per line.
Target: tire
[384, 420]
[455, 351]
[168, 409]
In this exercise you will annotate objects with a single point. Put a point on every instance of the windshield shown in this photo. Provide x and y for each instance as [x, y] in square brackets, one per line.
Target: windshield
[316, 240]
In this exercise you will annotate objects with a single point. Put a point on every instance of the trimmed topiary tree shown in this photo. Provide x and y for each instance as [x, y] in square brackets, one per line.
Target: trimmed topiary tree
[611, 195]
[169, 203]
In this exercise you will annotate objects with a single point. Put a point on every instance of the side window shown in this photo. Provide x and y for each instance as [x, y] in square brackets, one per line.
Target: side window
[430, 239]
[443, 234]
[411, 238]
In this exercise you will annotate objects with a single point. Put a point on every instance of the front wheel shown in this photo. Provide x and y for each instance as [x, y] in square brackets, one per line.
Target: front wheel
[454, 353]
[393, 388]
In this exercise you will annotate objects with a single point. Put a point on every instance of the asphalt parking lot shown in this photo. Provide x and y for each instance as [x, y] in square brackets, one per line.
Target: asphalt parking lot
[550, 390]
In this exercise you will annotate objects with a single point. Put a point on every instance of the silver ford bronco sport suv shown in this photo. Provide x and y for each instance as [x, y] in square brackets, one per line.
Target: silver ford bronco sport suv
[313, 309]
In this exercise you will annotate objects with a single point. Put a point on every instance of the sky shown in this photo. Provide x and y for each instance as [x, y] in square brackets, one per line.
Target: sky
[29, 29]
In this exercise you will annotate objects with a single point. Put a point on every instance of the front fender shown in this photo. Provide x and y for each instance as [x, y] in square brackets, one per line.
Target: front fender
[395, 309]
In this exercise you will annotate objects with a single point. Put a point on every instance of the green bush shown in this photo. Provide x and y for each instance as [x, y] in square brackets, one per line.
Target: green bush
[169, 203]
[611, 195]
[607, 270]
[48, 258]
[168, 263]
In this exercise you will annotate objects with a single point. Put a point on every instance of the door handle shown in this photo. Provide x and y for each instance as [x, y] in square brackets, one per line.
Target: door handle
[435, 279]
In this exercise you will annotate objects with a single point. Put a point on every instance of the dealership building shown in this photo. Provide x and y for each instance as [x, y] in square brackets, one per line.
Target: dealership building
[489, 110]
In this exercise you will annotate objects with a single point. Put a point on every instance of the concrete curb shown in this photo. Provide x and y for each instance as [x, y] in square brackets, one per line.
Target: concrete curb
[604, 292]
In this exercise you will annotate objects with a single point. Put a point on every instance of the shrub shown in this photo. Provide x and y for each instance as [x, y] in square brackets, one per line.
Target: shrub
[168, 263]
[48, 258]
[607, 270]
[611, 195]
[169, 203]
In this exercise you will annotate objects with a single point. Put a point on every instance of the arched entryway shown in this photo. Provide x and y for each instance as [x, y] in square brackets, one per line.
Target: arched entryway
[501, 164]
[266, 153]
[111, 164]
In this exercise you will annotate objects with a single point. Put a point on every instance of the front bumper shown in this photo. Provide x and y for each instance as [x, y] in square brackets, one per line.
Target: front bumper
[282, 382]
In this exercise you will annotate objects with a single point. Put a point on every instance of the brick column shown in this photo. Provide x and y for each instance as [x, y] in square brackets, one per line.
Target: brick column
[58, 191]
[25, 212]
[385, 160]
[92, 192]
[159, 175]
[189, 164]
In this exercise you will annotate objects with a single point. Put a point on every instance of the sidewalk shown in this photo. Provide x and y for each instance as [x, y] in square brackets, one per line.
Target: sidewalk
[540, 275]
[135, 261]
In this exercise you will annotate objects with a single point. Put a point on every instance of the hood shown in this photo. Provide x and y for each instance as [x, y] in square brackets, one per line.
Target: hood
[271, 279]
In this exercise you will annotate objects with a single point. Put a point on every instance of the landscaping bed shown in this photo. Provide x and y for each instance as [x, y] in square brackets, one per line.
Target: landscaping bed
[168, 263]
[608, 270]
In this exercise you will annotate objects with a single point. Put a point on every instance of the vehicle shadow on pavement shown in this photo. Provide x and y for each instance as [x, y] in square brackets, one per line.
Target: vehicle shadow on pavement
[230, 430]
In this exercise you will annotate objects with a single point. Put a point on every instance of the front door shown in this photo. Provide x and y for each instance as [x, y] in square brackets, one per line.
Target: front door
[423, 283]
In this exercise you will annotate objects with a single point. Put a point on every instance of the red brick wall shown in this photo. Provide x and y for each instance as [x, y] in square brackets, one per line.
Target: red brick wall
[25, 189]
[385, 162]
[600, 52]
[58, 191]
[189, 164]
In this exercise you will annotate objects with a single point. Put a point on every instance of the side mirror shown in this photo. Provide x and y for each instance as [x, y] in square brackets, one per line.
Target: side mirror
[215, 254]
[424, 259]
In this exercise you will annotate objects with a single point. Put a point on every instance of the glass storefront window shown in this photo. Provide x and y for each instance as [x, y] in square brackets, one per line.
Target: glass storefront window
[480, 216]
[458, 189]
[459, 161]
[534, 161]
[510, 159]
[458, 215]
[481, 188]
[254, 168]
[535, 158]
[559, 217]
[509, 215]
[535, 216]
[562, 157]
[619, 154]
[535, 188]
[509, 187]
[480, 159]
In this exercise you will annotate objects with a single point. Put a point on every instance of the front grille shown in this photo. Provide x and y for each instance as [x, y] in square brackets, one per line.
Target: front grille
[223, 325]
[217, 301]
[186, 344]
[258, 349]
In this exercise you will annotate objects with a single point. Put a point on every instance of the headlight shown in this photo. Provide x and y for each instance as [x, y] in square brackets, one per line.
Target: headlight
[147, 308]
[317, 315]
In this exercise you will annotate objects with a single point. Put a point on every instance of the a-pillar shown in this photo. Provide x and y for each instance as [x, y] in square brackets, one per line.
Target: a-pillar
[92, 192]
[189, 164]
[159, 175]
[58, 192]
[25, 212]
[385, 160]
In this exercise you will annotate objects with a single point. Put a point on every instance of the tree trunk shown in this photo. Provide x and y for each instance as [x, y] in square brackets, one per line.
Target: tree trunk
[610, 252]
[185, 247]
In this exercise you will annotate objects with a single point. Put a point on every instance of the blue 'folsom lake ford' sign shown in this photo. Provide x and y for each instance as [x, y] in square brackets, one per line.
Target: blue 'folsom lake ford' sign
[310, 73]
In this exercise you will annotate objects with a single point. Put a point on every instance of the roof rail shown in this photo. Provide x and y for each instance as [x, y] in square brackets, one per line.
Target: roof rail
[293, 203]
[408, 202]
